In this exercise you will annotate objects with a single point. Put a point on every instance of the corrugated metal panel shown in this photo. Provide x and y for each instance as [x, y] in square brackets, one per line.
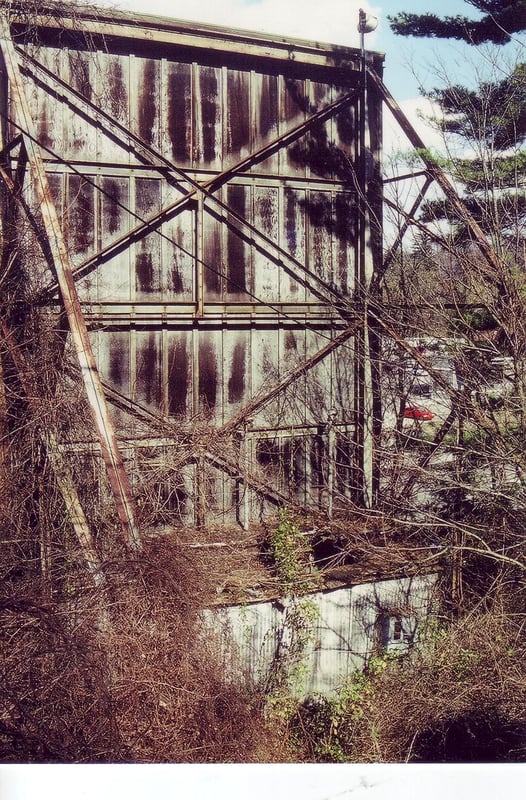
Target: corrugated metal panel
[219, 299]
[293, 216]
[344, 634]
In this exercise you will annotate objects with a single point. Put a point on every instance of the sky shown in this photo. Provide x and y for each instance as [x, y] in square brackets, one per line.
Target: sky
[408, 60]
[331, 21]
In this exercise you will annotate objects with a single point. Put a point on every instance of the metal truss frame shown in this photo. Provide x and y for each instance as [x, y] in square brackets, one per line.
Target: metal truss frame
[198, 195]
[57, 253]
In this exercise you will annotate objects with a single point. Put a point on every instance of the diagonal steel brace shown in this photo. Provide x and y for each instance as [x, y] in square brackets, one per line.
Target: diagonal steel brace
[437, 174]
[148, 155]
[118, 479]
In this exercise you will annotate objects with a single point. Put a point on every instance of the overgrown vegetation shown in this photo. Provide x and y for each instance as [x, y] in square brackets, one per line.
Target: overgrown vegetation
[102, 651]
[292, 561]
[449, 701]
[121, 674]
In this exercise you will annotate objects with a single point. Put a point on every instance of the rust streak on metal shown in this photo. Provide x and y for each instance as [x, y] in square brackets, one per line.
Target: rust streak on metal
[117, 476]
[144, 302]
[149, 155]
[257, 402]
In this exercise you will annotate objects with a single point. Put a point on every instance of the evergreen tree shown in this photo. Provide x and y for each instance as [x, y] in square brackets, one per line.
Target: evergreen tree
[500, 20]
[490, 119]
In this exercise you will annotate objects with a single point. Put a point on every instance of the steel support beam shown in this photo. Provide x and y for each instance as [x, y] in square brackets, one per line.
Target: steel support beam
[114, 466]
[62, 474]
[437, 173]
[412, 221]
[258, 402]
[221, 461]
[388, 260]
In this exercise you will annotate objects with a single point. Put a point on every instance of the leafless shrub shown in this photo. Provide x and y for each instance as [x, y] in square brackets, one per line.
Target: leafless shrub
[135, 683]
[460, 699]
[56, 703]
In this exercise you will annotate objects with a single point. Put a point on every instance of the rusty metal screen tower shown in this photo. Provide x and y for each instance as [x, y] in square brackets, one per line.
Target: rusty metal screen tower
[208, 218]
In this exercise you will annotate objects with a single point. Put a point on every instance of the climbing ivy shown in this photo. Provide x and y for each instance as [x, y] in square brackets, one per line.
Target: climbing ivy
[286, 550]
[326, 725]
[290, 553]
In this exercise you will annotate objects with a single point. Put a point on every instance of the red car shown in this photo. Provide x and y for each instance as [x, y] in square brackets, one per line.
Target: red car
[416, 412]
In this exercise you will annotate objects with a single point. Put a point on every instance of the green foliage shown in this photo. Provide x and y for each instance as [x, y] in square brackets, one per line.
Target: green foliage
[326, 726]
[449, 698]
[291, 555]
[494, 112]
[490, 117]
[290, 552]
[475, 319]
[287, 681]
[501, 18]
[285, 545]
[467, 663]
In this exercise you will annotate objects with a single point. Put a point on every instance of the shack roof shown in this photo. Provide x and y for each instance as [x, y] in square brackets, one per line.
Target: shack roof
[232, 566]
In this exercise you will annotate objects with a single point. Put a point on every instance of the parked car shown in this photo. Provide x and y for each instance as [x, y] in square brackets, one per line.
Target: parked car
[421, 389]
[417, 412]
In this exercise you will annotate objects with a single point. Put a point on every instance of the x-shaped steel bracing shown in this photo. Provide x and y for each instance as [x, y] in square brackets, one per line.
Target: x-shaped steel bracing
[192, 191]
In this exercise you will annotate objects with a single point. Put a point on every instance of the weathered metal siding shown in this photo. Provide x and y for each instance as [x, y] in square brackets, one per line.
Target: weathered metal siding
[351, 624]
[223, 296]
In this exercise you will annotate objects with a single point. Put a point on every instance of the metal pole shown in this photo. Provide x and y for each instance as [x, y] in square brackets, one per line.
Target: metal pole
[363, 404]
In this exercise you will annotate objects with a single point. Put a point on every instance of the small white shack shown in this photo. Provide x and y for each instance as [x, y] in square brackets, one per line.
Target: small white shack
[347, 627]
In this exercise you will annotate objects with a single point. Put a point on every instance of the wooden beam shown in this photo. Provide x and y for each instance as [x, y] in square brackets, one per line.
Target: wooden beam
[159, 31]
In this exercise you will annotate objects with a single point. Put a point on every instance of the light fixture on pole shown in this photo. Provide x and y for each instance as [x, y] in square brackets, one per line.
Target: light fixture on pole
[366, 24]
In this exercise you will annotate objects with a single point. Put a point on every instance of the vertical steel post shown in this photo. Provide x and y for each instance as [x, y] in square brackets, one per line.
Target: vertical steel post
[199, 255]
[331, 465]
[118, 479]
[363, 389]
[244, 461]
